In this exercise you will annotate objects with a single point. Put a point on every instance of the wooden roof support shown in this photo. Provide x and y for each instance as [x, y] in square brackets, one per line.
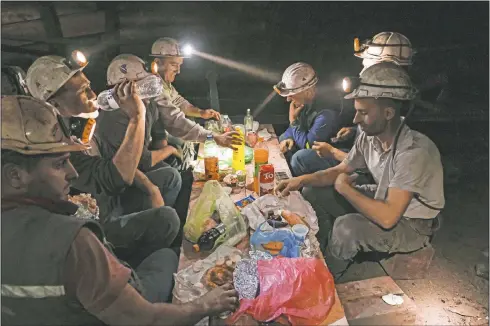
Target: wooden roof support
[52, 26]
[21, 50]
[111, 39]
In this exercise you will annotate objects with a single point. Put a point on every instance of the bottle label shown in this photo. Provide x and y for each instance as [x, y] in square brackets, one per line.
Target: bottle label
[238, 162]
[266, 179]
[221, 228]
[211, 168]
[112, 102]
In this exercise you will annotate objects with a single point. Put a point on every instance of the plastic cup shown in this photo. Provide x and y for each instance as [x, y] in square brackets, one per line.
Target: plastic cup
[300, 231]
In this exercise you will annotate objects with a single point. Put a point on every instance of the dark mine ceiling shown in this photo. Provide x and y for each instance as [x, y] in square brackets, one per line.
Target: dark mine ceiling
[450, 37]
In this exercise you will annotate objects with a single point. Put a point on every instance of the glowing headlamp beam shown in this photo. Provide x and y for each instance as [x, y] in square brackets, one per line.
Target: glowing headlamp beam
[188, 50]
[263, 74]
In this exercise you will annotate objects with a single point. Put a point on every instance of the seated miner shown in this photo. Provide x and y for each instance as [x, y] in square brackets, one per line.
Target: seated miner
[397, 213]
[57, 270]
[308, 124]
[13, 81]
[174, 108]
[383, 47]
[112, 125]
[135, 236]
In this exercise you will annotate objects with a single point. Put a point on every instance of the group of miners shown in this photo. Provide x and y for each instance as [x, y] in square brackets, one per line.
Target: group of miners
[383, 194]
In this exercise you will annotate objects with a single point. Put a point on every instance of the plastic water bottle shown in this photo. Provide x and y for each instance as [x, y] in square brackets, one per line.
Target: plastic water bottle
[148, 87]
[226, 123]
[248, 121]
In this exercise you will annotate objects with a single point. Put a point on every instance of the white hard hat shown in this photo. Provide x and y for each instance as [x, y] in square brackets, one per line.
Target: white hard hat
[166, 47]
[295, 79]
[384, 80]
[386, 46]
[49, 73]
[130, 67]
[30, 126]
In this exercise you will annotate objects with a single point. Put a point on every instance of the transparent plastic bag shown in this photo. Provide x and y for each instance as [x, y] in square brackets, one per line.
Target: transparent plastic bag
[214, 199]
[301, 289]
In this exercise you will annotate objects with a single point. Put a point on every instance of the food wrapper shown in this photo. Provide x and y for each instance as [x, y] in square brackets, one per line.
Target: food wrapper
[188, 284]
[264, 134]
[290, 247]
[294, 203]
[87, 206]
[245, 276]
[244, 202]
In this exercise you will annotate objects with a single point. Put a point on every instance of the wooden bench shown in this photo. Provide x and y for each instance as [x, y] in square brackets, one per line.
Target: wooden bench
[410, 266]
[363, 303]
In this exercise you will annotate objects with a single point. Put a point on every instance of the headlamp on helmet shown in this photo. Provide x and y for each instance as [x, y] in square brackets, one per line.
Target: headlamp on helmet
[151, 67]
[277, 87]
[76, 60]
[187, 50]
[360, 47]
[350, 83]
[281, 86]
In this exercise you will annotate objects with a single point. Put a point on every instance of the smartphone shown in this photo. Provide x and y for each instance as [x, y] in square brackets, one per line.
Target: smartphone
[281, 175]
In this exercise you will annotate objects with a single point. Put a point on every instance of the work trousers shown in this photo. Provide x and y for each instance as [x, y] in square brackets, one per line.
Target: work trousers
[156, 275]
[162, 175]
[344, 232]
[138, 235]
[306, 161]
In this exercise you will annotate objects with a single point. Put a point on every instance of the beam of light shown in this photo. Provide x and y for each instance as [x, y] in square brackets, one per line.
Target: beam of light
[264, 103]
[263, 74]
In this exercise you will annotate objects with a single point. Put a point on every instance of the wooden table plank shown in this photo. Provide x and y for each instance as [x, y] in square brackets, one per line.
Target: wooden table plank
[364, 305]
[188, 256]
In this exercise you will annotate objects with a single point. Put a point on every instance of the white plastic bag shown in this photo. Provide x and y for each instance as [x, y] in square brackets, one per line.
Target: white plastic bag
[294, 203]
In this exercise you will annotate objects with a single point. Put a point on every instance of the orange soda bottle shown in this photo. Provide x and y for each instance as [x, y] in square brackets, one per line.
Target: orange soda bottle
[261, 157]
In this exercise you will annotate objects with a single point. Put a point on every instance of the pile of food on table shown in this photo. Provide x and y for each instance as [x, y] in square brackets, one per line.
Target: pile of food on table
[237, 241]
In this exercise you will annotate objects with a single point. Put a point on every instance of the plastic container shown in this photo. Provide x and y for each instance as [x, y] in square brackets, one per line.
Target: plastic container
[300, 231]
[238, 161]
[148, 87]
[211, 167]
